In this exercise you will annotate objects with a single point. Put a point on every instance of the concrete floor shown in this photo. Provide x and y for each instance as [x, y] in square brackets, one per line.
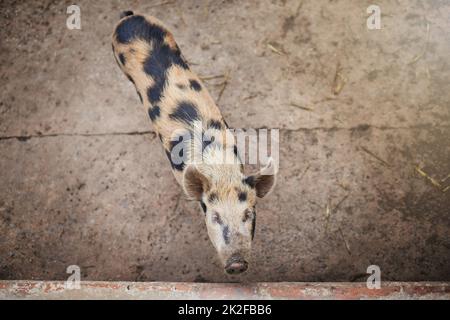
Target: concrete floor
[85, 182]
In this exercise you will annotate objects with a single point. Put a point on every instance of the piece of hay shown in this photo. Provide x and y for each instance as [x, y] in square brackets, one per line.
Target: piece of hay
[340, 202]
[224, 85]
[161, 4]
[250, 97]
[344, 186]
[347, 246]
[205, 78]
[304, 172]
[375, 156]
[327, 215]
[301, 107]
[329, 210]
[424, 51]
[315, 204]
[430, 179]
[277, 51]
[206, 10]
[339, 80]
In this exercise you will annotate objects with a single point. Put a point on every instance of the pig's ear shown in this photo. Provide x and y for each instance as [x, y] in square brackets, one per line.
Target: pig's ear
[194, 183]
[264, 181]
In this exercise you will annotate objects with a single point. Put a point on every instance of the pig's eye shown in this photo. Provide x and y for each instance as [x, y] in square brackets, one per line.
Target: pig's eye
[216, 218]
[248, 214]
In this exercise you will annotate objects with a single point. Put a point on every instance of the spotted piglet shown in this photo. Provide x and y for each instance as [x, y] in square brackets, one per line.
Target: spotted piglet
[194, 135]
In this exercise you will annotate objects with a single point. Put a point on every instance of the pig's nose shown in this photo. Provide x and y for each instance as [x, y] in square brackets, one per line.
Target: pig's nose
[236, 265]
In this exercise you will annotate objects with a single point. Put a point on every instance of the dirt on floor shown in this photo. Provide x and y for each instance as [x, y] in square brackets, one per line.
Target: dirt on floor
[364, 119]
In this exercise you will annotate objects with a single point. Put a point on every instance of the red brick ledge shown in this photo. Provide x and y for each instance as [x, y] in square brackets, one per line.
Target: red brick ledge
[182, 290]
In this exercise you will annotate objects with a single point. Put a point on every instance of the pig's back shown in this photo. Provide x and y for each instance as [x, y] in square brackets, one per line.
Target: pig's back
[175, 97]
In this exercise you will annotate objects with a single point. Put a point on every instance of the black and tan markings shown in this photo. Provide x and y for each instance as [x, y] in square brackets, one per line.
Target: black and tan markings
[157, 65]
[154, 112]
[215, 124]
[173, 95]
[242, 196]
[225, 229]
[186, 112]
[163, 55]
[137, 27]
[250, 181]
[249, 214]
[226, 234]
[175, 99]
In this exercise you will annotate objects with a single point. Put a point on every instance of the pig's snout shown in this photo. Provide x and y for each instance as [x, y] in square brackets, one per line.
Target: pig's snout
[236, 264]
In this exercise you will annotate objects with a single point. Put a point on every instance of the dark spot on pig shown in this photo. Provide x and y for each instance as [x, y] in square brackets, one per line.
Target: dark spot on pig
[195, 85]
[137, 27]
[140, 96]
[242, 196]
[250, 181]
[216, 218]
[215, 124]
[247, 215]
[154, 93]
[226, 234]
[212, 197]
[154, 112]
[162, 57]
[185, 112]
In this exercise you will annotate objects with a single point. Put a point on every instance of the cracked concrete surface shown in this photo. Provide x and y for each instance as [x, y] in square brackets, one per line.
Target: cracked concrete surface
[84, 181]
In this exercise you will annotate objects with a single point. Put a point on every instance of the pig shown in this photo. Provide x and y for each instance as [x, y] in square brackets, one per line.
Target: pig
[184, 114]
